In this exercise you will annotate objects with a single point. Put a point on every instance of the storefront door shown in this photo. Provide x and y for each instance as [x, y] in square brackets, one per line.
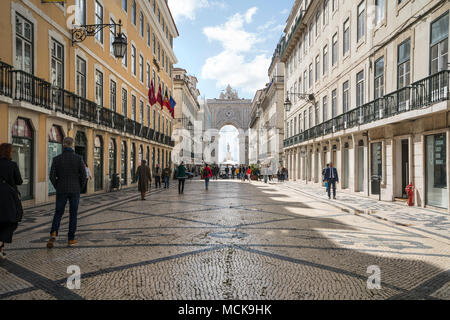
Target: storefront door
[98, 163]
[376, 166]
[436, 171]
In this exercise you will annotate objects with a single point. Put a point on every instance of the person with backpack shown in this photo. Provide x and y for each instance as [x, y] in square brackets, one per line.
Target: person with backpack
[181, 176]
[207, 174]
[10, 203]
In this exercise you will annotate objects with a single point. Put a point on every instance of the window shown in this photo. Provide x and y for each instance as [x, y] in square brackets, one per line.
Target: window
[112, 157]
[112, 96]
[317, 68]
[325, 60]
[141, 24]
[310, 35]
[379, 11]
[361, 21]
[99, 88]
[346, 41]
[334, 5]
[141, 68]
[133, 59]
[24, 45]
[81, 77]
[304, 81]
[112, 33]
[133, 12]
[148, 116]
[154, 44]
[125, 57]
[125, 5]
[403, 70]
[317, 23]
[324, 109]
[439, 44]
[360, 89]
[326, 12]
[148, 35]
[310, 117]
[80, 12]
[379, 78]
[148, 75]
[154, 119]
[310, 75]
[305, 43]
[334, 103]
[133, 107]
[141, 112]
[163, 59]
[345, 89]
[316, 113]
[57, 64]
[334, 49]
[99, 20]
[124, 103]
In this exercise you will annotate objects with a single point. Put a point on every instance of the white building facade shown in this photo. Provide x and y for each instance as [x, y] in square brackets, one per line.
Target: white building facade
[378, 73]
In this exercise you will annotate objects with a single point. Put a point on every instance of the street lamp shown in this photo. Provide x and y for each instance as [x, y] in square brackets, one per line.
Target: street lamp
[79, 34]
[305, 96]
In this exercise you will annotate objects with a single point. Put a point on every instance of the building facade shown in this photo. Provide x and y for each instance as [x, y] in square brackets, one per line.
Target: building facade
[267, 120]
[51, 88]
[187, 132]
[378, 73]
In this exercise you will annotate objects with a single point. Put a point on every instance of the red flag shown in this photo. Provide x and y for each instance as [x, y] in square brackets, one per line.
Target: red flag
[151, 94]
[166, 101]
[160, 98]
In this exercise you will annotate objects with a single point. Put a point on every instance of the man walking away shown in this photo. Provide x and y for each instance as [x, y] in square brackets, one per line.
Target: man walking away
[157, 176]
[181, 176]
[227, 171]
[166, 177]
[144, 178]
[207, 174]
[233, 172]
[331, 177]
[68, 176]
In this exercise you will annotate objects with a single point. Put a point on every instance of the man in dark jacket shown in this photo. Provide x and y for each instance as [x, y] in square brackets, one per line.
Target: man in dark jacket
[157, 176]
[68, 176]
[331, 176]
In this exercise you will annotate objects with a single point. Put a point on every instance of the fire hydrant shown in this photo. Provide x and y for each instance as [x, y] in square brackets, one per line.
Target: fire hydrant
[410, 192]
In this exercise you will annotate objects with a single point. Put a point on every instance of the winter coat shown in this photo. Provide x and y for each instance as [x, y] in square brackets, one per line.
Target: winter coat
[144, 178]
[68, 174]
[181, 172]
[10, 178]
[207, 173]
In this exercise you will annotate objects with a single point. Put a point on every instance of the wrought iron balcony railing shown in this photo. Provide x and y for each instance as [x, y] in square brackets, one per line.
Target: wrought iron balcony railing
[420, 94]
[6, 79]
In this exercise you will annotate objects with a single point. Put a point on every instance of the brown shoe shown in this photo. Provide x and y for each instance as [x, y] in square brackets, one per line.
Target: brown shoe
[72, 243]
[51, 241]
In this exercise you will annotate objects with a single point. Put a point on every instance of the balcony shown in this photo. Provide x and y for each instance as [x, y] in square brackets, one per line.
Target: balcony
[22, 86]
[420, 94]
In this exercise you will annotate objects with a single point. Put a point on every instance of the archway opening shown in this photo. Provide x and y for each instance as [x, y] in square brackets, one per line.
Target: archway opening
[229, 144]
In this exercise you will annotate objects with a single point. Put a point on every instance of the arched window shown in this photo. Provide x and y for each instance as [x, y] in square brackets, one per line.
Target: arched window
[112, 157]
[81, 145]
[55, 139]
[23, 140]
[123, 162]
[133, 163]
[148, 155]
[98, 163]
[141, 154]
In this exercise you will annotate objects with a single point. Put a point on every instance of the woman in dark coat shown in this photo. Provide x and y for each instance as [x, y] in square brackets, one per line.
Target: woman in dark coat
[10, 178]
[144, 178]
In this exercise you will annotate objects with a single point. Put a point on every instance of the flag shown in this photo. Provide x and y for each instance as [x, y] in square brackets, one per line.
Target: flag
[166, 101]
[151, 94]
[160, 98]
[172, 106]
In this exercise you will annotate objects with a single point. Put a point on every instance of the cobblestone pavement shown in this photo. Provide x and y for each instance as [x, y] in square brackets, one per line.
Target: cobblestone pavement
[433, 223]
[236, 241]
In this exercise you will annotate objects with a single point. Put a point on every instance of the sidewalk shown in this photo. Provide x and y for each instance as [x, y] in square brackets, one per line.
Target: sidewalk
[434, 223]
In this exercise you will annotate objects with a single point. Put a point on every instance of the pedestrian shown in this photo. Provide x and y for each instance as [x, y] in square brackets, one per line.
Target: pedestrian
[233, 172]
[68, 176]
[331, 177]
[227, 171]
[88, 177]
[166, 177]
[323, 176]
[10, 200]
[248, 174]
[207, 174]
[157, 176]
[144, 178]
[181, 176]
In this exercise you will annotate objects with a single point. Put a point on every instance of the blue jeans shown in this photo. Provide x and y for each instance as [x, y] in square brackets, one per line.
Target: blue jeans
[166, 182]
[206, 183]
[331, 182]
[61, 200]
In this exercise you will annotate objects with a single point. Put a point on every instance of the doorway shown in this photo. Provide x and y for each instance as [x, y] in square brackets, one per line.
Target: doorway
[405, 166]
[361, 166]
[376, 167]
[81, 145]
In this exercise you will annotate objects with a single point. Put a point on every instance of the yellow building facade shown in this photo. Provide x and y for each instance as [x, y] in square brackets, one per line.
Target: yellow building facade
[51, 87]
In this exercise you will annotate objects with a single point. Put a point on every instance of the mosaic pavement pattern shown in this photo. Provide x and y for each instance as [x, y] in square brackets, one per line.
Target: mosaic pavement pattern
[236, 241]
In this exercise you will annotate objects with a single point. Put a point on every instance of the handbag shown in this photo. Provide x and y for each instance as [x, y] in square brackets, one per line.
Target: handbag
[326, 184]
[17, 201]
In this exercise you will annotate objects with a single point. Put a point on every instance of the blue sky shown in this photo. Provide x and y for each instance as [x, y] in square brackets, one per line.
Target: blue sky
[228, 41]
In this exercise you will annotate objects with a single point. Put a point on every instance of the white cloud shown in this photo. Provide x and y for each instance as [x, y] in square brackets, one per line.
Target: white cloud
[235, 65]
[188, 8]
